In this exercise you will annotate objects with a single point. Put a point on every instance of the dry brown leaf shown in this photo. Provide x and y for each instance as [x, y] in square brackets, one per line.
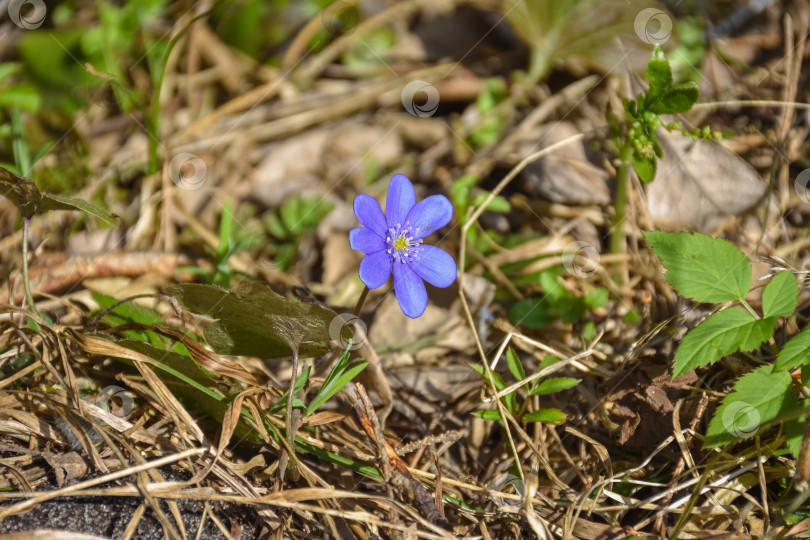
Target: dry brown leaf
[699, 185]
[565, 176]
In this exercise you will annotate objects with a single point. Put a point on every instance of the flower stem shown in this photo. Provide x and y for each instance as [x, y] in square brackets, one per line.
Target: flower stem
[29, 297]
[620, 202]
[360, 301]
[292, 467]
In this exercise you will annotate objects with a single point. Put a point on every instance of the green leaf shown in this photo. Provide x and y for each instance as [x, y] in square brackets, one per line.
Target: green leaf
[757, 399]
[52, 201]
[796, 352]
[510, 400]
[252, 320]
[27, 197]
[9, 68]
[702, 268]
[721, 334]
[488, 414]
[341, 374]
[780, 296]
[546, 416]
[515, 366]
[499, 382]
[25, 96]
[677, 99]
[300, 381]
[549, 386]
[497, 204]
[659, 74]
[645, 167]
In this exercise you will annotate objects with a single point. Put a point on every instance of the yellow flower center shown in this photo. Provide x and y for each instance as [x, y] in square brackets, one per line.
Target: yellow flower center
[400, 243]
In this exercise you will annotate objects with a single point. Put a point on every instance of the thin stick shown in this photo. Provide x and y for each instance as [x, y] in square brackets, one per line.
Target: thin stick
[26, 283]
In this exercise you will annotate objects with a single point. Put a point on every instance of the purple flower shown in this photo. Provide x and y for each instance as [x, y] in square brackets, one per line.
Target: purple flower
[397, 242]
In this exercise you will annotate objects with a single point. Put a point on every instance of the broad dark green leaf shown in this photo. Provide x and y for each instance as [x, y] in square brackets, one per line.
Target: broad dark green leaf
[702, 268]
[757, 399]
[780, 296]
[721, 334]
[252, 320]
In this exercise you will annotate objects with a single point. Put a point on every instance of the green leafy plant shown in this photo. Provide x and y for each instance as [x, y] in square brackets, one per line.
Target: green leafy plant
[29, 200]
[557, 303]
[296, 218]
[636, 139]
[713, 270]
[527, 410]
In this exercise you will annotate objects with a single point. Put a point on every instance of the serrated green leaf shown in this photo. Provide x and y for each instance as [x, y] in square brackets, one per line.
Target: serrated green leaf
[549, 386]
[702, 268]
[645, 167]
[721, 334]
[659, 74]
[515, 366]
[796, 352]
[757, 398]
[780, 296]
[677, 99]
[546, 416]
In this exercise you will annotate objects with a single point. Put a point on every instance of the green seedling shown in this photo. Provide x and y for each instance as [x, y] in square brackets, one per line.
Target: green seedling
[527, 409]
